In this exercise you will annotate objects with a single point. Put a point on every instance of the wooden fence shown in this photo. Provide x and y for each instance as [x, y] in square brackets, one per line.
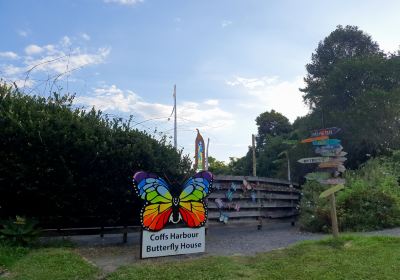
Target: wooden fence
[268, 199]
[230, 202]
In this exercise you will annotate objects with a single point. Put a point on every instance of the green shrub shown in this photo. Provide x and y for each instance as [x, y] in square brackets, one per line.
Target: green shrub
[363, 209]
[314, 212]
[69, 167]
[19, 231]
[370, 200]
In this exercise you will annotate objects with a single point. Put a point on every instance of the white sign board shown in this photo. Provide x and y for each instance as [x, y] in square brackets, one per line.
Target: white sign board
[174, 241]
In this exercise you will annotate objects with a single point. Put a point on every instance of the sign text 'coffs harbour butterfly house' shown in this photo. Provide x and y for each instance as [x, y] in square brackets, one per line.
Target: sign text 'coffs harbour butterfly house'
[166, 204]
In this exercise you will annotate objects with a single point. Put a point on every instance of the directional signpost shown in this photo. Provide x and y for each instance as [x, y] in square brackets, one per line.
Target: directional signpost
[326, 142]
[318, 176]
[313, 160]
[317, 138]
[330, 166]
[325, 132]
[331, 191]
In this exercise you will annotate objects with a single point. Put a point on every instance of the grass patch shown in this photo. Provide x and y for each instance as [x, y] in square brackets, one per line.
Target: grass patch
[52, 261]
[9, 255]
[350, 257]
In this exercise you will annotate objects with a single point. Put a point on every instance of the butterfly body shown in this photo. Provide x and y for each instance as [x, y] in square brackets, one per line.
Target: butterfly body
[165, 204]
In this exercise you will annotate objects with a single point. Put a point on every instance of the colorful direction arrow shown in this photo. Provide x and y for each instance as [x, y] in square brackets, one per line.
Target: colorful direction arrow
[313, 160]
[318, 176]
[331, 153]
[340, 159]
[330, 191]
[325, 131]
[308, 140]
[332, 181]
[328, 142]
[330, 164]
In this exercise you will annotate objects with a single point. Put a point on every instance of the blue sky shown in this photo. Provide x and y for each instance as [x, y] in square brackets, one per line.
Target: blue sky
[231, 60]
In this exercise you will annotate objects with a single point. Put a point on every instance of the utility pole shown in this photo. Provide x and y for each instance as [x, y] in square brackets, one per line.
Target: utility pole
[253, 142]
[175, 124]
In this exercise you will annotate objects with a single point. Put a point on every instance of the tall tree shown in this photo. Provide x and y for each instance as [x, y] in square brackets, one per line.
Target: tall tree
[271, 124]
[342, 43]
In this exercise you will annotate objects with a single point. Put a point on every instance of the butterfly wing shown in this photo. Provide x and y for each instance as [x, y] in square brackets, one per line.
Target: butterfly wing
[155, 192]
[191, 200]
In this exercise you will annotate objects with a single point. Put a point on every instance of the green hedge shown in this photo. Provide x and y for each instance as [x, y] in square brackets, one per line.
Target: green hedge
[370, 200]
[66, 166]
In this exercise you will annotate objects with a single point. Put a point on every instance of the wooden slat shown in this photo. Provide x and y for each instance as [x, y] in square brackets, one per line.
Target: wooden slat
[265, 196]
[248, 204]
[240, 214]
[253, 179]
[279, 214]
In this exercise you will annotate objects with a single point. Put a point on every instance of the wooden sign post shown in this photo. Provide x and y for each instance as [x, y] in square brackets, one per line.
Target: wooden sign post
[335, 227]
[330, 162]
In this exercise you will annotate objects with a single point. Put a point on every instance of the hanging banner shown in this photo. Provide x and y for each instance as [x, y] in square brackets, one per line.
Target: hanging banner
[325, 131]
[199, 161]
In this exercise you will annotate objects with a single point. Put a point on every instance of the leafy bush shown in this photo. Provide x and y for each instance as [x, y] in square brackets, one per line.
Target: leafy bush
[314, 212]
[19, 231]
[370, 200]
[69, 167]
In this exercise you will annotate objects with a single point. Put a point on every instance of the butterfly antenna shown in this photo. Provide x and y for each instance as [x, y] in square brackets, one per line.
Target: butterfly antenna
[184, 179]
[166, 177]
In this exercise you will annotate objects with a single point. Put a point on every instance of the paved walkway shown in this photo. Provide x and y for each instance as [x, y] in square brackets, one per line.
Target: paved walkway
[109, 253]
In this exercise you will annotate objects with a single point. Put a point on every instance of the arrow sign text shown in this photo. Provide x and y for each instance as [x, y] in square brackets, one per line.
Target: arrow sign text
[325, 131]
[313, 160]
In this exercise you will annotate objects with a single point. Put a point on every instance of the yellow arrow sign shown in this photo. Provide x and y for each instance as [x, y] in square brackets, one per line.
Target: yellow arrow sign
[330, 191]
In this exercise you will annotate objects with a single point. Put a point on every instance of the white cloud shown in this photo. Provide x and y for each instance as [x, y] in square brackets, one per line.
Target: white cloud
[225, 23]
[85, 36]
[66, 41]
[50, 61]
[191, 115]
[11, 70]
[212, 102]
[252, 83]
[124, 2]
[267, 93]
[33, 49]
[22, 33]
[9, 55]
[63, 60]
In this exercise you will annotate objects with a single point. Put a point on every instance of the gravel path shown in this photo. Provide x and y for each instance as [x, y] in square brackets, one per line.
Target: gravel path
[109, 253]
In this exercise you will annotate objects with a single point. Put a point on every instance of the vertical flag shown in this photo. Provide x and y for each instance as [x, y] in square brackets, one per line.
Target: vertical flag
[199, 162]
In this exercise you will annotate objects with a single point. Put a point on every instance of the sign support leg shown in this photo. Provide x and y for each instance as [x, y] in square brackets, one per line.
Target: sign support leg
[335, 228]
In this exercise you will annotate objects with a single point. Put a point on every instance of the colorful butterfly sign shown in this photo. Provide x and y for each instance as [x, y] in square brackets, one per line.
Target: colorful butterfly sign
[163, 204]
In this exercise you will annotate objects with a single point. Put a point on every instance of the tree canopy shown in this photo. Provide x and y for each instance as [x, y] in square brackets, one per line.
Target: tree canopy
[343, 43]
